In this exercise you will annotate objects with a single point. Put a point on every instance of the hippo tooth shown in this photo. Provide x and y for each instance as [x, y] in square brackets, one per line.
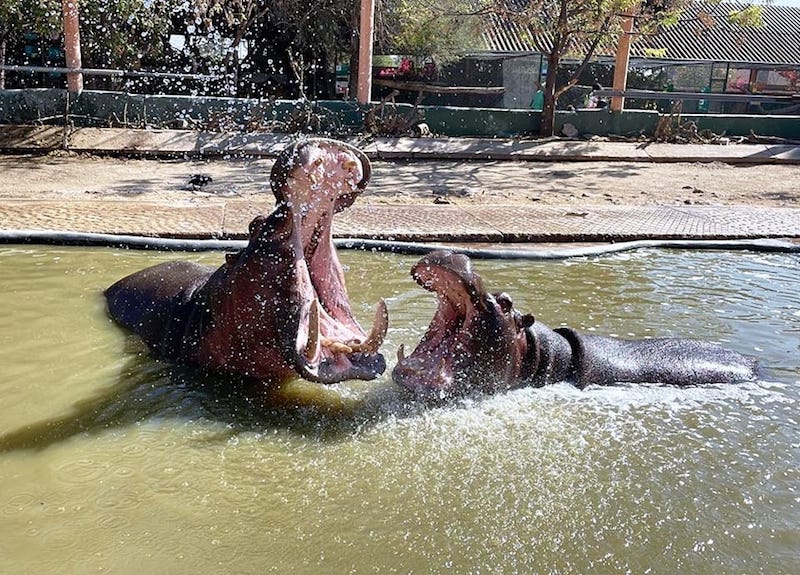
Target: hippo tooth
[401, 353]
[336, 346]
[313, 330]
[378, 332]
[349, 164]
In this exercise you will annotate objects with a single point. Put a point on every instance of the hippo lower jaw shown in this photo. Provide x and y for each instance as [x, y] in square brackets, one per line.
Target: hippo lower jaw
[327, 350]
[429, 370]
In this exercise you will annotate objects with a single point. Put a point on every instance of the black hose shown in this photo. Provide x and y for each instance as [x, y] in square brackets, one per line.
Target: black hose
[52, 237]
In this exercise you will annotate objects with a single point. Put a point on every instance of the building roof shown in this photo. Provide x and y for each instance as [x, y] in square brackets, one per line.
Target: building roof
[777, 42]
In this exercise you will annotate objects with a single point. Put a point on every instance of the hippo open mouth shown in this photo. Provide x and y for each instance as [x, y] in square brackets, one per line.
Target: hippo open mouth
[474, 339]
[314, 180]
[279, 307]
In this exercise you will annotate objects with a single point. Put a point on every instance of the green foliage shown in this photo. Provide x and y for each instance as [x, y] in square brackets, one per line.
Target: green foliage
[748, 17]
[21, 16]
[114, 33]
[441, 30]
[123, 33]
[655, 52]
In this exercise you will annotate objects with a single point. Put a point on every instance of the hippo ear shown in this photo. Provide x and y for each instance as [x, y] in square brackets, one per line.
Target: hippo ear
[505, 301]
[527, 320]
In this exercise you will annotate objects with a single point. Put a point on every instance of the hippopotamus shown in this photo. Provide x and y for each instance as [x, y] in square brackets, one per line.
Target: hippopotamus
[278, 308]
[479, 342]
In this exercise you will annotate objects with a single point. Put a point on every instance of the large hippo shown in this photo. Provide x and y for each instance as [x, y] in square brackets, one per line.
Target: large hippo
[479, 342]
[279, 307]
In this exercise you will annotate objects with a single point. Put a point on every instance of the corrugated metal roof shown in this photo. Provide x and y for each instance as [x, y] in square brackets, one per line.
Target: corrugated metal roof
[776, 42]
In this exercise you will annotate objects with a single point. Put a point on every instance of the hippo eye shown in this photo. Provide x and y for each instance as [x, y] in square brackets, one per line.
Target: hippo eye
[505, 301]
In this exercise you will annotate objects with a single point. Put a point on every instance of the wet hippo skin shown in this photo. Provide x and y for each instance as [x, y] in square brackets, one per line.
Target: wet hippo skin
[478, 341]
[279, 308]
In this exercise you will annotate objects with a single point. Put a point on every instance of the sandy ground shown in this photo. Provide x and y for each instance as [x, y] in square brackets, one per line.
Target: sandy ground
[65, 176]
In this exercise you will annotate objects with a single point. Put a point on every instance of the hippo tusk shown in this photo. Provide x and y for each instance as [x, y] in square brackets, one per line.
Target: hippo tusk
[401, 353]
[313, 330]
[378, 332]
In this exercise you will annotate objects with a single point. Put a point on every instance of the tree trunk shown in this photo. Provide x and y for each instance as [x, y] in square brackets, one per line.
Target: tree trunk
[560, 42]
[232, 64]
[2, 63]
[355, 23]
[548, 121]
[297, 64]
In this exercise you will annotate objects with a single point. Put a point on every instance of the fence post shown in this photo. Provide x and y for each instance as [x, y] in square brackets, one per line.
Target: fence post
[621, 62]
[366, 32]
[72, 45]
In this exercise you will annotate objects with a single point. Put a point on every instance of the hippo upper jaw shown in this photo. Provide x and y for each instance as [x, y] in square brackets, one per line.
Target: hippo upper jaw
[283, 306]
[475, 341]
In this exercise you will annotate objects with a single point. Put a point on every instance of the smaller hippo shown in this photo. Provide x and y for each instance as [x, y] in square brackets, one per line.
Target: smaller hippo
[479, 342]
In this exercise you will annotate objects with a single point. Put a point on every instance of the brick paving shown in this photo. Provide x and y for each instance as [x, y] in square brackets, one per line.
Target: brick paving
[486, 223]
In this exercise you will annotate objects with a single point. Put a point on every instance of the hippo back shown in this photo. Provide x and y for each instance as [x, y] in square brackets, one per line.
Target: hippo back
[682, 362]
[158, 304]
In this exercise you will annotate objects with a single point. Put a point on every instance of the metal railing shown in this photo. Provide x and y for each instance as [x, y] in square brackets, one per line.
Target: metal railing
[708, 96]
[115, 73]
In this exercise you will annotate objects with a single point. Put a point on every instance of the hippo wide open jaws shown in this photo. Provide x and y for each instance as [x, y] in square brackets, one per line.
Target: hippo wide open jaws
[278, 308]
[478, 342]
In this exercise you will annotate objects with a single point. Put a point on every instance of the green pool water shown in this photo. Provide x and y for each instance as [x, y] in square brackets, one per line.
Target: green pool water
[113, 462]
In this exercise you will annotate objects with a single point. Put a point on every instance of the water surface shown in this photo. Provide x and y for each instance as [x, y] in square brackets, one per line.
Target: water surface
[113, 461]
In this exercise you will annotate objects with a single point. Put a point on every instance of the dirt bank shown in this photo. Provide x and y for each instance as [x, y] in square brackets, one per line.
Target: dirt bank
[71, 176]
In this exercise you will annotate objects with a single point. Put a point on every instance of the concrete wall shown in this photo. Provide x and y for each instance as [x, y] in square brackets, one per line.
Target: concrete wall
[519, 75]
[335, 117]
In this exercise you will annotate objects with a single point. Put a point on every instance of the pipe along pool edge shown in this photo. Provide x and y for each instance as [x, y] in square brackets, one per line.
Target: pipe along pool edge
[64, 238]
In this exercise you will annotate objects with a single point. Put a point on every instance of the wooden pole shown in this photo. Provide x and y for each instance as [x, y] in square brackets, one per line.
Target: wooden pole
[72, 45]
[366, 33]
[621, 62]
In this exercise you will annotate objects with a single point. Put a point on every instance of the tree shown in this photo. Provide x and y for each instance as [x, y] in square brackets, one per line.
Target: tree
[580, 27]
[318, 33]
[577, 28]
[236, 19]
[436, 30]
[114, 33]
[20, 16]
[123, 33]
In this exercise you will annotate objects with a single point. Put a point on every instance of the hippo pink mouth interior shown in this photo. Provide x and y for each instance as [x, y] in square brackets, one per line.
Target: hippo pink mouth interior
[330, 345]
[431, 367]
